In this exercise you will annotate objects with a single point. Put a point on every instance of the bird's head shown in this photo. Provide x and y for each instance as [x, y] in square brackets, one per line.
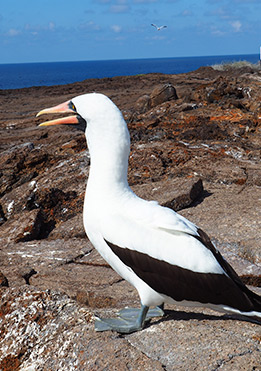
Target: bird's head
[85, 109]
[99, 118]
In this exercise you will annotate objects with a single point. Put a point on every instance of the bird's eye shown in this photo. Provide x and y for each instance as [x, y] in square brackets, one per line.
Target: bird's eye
[72, 106]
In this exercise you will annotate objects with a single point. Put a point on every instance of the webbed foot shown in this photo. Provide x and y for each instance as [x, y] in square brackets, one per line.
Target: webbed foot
[129, 319]
[121, 325]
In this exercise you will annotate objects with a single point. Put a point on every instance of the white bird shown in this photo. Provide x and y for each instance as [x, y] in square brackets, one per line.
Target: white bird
[158, 28]
[164, 256]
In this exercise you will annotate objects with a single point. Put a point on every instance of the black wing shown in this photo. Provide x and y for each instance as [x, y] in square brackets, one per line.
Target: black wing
[184, 284]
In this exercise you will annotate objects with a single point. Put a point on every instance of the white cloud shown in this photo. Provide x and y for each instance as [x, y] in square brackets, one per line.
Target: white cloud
[33, 29]
[90, 26]
[119, 8]
[186, 13]
[116, 28]
[221, 12]
[216, 32]
[51, 26]
[236, 26]
[158, 37]
[13, 32]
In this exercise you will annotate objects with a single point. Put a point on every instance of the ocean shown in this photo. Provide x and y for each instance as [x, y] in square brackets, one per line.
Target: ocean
[22, 75]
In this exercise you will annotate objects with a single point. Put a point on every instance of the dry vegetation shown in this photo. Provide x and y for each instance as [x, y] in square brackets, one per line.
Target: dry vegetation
[228, 66]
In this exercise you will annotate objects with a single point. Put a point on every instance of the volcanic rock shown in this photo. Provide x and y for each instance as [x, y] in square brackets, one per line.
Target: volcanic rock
[163, 94]
[159, 95]
[3, 280]
[195, 147]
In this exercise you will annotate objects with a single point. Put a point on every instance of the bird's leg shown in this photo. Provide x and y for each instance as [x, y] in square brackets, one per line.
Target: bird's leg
[123, 325]
[161, 307]
[129, 319]
[128, 313]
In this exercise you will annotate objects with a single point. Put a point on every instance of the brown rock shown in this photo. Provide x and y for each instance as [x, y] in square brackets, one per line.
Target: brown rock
[163, 94]
[250, 249]
[20, 165]
[3, 280]
[68, 229]
[2, 216]
[94, 300]
[254, 176]
[27, 273]
[174, 193]
[51, 200]
[143, 104]
[193, 192]
[158, 96]
[224, 88]
[24, 227]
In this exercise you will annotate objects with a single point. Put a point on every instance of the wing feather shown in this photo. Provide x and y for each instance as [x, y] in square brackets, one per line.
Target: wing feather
[182, 284]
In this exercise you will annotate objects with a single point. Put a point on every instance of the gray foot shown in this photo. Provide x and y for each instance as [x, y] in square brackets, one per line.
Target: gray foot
[129, 319]
[121, 324]
[117, 324]
[128, 313]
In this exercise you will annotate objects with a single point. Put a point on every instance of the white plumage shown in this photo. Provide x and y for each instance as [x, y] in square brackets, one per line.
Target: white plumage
[163, 255]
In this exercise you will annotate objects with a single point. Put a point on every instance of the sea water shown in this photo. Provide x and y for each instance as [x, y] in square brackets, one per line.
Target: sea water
[22, 75]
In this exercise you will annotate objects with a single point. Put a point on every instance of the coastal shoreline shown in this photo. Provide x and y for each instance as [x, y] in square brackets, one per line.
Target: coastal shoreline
[61, 73]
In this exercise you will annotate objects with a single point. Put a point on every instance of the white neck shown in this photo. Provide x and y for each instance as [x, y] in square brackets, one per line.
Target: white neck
[109, 151]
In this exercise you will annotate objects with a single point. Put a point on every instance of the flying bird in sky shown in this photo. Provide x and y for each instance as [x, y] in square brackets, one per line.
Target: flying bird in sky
[164, 256]
[158, 28]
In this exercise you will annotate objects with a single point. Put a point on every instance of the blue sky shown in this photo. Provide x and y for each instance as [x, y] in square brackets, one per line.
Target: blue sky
[72, 30]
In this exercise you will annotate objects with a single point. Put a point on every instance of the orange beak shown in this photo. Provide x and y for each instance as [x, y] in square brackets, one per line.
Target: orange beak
[61, 108]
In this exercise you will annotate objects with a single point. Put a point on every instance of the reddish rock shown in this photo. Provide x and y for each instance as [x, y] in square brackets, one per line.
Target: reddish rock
[209, 131]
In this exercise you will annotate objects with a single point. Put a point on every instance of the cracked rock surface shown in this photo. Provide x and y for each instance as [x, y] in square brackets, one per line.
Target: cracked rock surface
[196, 147]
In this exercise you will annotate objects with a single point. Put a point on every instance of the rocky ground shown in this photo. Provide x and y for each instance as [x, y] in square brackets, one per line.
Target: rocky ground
[196, 147]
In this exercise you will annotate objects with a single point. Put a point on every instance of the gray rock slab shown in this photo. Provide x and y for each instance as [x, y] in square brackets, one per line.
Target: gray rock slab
[187, 341]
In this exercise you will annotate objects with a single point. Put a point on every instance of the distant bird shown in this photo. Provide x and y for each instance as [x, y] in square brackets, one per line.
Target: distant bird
[158, 28]
[163, 255]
